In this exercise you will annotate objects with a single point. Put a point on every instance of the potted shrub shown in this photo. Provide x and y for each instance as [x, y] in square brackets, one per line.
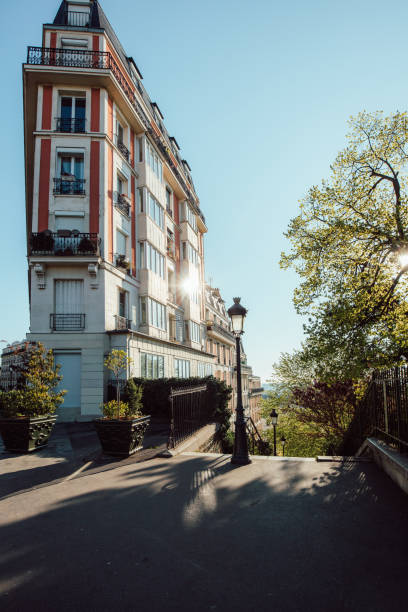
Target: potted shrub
[26, 414]
[122, 262]
[122, 427]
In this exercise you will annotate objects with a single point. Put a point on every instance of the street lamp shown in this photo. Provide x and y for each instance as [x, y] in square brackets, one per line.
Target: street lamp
[283, 440]
[274, 419]
[240, 455]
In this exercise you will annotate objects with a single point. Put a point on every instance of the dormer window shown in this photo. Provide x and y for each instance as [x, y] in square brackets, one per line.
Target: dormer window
[77, 15]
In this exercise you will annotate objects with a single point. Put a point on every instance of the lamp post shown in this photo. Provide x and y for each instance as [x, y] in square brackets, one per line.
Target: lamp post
[283, 440]
[274, 419]
[240, 455]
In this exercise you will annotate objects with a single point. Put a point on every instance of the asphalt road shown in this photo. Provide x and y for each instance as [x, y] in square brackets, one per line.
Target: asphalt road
[194, 533]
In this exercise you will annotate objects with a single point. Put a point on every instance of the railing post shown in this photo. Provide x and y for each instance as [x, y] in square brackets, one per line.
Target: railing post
[398, 404]
[171, 442]
[385, 405]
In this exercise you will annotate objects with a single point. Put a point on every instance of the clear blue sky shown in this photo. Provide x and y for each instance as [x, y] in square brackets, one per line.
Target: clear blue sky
[257, 94]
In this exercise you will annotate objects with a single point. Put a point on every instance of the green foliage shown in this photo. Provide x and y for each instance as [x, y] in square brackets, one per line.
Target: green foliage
[39, 396]
[133, 397]
[347, 247]
[302, 439]
[113, 410]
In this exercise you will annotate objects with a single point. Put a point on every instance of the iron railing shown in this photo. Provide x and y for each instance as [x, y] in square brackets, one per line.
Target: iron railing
[123, 149]
[67, 322]
[72, 125]
[188, 412]
[257, 445]
[212, 326]
[67, 186]
[122, 323]
[83, 58]
[383, 411]
[123, 205]
[64, 243]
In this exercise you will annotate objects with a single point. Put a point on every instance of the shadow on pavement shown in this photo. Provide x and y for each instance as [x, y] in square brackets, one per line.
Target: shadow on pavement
[195, 533]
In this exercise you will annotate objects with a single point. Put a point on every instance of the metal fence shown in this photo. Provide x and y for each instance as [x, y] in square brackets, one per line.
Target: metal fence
[383, 411]
[188, 412]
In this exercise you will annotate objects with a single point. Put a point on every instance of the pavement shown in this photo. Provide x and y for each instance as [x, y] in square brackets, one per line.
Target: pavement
[195, 533]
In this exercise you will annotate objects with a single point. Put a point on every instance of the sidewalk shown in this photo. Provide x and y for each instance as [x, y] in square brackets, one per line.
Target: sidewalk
[73, 448]
[196, 534]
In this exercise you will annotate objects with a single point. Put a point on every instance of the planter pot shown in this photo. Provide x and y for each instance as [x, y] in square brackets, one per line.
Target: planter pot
[27, 434]
[120, 437]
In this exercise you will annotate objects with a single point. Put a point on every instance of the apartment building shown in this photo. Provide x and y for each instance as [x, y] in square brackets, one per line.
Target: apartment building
[115, 232]
[220, 339]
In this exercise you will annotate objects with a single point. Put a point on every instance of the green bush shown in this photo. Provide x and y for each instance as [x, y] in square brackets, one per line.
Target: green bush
[133, 394]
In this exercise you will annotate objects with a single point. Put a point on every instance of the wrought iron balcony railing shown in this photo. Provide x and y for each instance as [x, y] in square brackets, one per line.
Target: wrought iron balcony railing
[122, 322]
[64, 243]
[124, 150]
[69, 186]
[122, 204]
[83, 58]
[75, 126]
[67, 322]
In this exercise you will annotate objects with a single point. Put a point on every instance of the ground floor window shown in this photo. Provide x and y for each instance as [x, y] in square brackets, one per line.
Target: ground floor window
[204, 369]
[181, 368]
[151, 366]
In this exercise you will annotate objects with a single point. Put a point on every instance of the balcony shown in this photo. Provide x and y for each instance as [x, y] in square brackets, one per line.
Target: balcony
[71, 126]
[69, 185]
[124, 150]
[67, 322]
[64, 243]
[122, 323]
[123, 204]
[123, 262]
[218, 330]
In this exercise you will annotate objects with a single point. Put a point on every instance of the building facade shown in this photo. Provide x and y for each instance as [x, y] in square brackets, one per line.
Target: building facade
[115, 233]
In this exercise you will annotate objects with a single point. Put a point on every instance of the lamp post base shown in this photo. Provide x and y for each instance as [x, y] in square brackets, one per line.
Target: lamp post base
[240, 460]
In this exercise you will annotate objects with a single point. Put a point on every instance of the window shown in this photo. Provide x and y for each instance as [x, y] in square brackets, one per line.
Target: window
[186, 214]
[194, 332]
[151, 366]
[121, 243]
[119, 132]
[204, 369]
[153, 160]
[70, 171]
[151, 259]
[122, 311]
[169, 201]
[181, 368]
[154, 210]
[190, 253]
[72, 116]
[78, 16]
[69, 305]
[152, 313]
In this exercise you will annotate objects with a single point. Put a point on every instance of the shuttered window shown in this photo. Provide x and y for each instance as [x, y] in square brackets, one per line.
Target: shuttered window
[69, 296]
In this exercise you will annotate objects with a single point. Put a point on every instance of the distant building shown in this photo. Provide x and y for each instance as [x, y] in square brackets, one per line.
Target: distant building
[14, 359]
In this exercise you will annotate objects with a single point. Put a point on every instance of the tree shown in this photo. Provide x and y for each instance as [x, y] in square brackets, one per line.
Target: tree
[117, 362]
[350, 248]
